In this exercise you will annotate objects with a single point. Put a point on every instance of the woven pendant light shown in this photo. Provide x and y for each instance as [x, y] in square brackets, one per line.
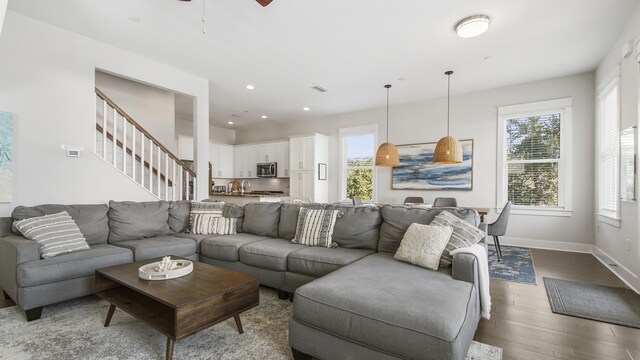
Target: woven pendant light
[387, 154]
[448, 150]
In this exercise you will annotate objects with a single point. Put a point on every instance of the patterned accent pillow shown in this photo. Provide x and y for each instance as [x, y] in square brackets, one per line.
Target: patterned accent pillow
[464, 235]
[224, 226]
[55, 234]
[202, 216]
[423, 245]
[315, 227]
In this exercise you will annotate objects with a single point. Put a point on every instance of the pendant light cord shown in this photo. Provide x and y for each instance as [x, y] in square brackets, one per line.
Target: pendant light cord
[448, 96]
[388, 86]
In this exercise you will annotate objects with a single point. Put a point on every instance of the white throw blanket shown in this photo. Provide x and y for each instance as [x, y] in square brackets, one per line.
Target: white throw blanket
[483, 277]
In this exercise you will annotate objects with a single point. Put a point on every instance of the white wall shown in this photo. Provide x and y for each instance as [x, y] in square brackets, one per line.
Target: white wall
[217, 134]
[474, 116]
[47, 80]
[3, 11]
[151, 107]
[611, 241]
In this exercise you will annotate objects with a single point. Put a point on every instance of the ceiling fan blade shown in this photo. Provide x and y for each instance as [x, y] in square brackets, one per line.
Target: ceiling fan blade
[264, 2]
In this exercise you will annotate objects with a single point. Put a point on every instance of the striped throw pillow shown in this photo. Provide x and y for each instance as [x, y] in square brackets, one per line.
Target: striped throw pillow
[224, 226]
[55, 234]
[315, 227]
[464, 235]
[202, 216]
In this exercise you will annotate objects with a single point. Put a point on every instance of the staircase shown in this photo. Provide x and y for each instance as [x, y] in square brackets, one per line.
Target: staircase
[129, 148]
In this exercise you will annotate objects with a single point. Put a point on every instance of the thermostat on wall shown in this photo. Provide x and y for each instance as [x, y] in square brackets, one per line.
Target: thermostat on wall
[73, 152]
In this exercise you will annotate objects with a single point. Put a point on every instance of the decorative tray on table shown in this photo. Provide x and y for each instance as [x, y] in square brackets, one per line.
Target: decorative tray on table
[165, 269]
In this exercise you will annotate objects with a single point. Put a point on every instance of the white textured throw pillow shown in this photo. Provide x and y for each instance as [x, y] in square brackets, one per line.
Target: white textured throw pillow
[203, 215]
[55, 234]
[315, 227]
[464, 235]
[423, 245]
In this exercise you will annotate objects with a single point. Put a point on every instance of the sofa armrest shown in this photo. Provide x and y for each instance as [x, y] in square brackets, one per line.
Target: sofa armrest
[483, 227]
[14, 250]
[465, 268]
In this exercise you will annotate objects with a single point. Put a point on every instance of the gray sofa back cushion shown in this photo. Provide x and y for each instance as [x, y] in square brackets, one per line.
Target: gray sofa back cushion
[396, 220]
[92, 220]
[358, 227]
[5, 226]
[179, 215]
[289, 218]
[261, 219]
[138, 220]
[234, 211]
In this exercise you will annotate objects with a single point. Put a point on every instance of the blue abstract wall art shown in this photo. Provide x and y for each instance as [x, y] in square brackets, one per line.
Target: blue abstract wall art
[418, 172]
[6, 156]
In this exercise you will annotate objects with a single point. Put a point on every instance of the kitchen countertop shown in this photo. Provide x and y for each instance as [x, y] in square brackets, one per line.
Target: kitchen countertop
[250, 194]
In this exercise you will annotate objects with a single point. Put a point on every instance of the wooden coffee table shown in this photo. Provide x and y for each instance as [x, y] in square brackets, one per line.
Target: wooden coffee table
[178, 307]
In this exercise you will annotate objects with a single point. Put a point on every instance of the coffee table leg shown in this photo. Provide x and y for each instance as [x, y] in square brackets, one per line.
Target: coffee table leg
[112, 308]
[238, 323]
[170, 343]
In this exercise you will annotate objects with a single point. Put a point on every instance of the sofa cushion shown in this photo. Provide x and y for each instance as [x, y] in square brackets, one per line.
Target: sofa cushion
[396, 220]
[225, 247]
[138, 220]
[91, 219]
[268, 254]
[358, 227]
[72, 265]
[159, 246]
[386, 304]
[315, 227]
[319, 261]
[289, 218]
[55, 234]
[195, 237]
[179, 215]
[261, 219]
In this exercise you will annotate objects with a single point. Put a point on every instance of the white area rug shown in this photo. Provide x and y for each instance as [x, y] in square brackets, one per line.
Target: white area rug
[74, 330]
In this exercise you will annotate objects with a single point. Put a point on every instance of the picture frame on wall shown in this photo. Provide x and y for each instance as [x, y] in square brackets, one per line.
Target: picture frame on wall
[418, 172]
[6, 156]
[322, 171]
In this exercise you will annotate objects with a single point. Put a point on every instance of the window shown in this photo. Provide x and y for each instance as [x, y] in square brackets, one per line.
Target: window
[608, 150]
[534, 157]
[358, 170]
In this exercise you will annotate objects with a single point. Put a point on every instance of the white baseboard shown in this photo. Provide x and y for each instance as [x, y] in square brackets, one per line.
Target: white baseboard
[544, 244]
[624, 274]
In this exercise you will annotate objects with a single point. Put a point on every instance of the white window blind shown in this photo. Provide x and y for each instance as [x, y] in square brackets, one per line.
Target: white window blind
[609, 145]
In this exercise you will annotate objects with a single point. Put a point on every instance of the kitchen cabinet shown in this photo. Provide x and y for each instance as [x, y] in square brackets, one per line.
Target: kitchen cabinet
[283, 159]
[245, 161]
[222, 160]
[305, 153]
[267, 153]
[185, 147]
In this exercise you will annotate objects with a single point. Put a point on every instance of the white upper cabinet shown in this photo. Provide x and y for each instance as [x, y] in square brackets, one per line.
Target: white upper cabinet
[267, 152]
[302, 153]
[222, 161]
[283, 159]
[185, 147]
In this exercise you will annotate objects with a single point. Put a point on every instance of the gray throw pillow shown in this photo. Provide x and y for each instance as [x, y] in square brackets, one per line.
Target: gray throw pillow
[464, 235]
[55, 234]
[130, 220]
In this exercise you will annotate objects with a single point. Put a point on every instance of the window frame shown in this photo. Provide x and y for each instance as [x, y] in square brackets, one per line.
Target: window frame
[561, 106]
[345, 133]
[612, 83]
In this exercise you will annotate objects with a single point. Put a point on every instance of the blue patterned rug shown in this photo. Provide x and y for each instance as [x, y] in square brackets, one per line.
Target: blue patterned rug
[515, 265]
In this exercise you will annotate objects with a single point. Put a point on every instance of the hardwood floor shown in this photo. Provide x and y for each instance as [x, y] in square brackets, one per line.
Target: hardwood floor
[523, 325]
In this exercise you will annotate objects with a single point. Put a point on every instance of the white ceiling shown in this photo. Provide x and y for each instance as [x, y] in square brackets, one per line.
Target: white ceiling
[352, 48]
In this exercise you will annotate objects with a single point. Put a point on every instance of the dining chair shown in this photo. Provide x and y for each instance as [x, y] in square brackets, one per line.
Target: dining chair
[414, 200]
[499, 228]
[445, 202]
[356, 200]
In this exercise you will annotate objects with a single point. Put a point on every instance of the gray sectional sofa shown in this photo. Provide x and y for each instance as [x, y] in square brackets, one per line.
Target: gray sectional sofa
[351, 302]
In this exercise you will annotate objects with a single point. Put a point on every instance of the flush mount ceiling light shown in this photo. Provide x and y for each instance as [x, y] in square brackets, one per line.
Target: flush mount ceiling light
[250, 87]
[305, 109]
[387, 154]
[264, 117]
[472, 26]
[230, 122]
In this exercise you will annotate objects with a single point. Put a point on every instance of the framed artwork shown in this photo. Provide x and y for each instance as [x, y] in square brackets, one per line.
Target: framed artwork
[418, 172]
[322, 171]
[6, 156]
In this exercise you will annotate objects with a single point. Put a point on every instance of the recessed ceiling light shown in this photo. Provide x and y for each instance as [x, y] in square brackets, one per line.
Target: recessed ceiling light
[230, 122]
[305, 109]
[472, 26]
[250, 87]
[134, 19]
[264, 116]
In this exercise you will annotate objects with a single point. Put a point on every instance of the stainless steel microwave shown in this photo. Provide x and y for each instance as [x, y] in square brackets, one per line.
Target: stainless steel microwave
[269, 169]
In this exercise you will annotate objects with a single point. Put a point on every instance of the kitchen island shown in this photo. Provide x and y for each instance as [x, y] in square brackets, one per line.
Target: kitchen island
[248, 197]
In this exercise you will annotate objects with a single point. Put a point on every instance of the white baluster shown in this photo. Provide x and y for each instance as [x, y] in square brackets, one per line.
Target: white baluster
[124, 145]
[159, 165]
[151, 166]
[133, 152]
[142, 159]
[115, 140]
[174, 180]
[181, 184]
[104, 129]
[166, 176]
